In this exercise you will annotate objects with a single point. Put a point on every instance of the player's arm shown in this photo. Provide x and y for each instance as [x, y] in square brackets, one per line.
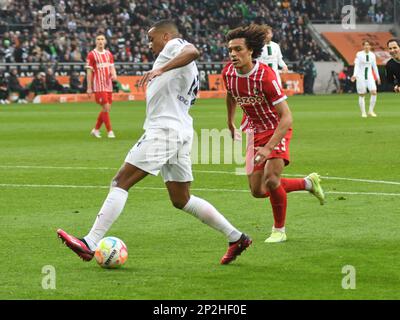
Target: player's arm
[89, 72]
[391, 79]
[113, 71]
[231, 110]
[282, 63]
[376, 71]
[284, 125]
[188, 54]
[89, 79]
[356, 69]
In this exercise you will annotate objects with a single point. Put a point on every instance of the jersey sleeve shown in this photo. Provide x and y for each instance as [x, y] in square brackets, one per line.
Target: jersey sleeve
[375, 68]
[272, 90]
[174, 47]
[281, 63]
[90, 62]
[356, 66]
[225, 79]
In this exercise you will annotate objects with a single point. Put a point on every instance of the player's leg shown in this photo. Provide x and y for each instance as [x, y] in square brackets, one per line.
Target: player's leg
[106, 115]
[362, 90]
[374, 95]
[106, 108]
[181, 198]
[204, 211]
[99, 98]
[112, 207]
[144, 158]
[177, 174]
[310, 183]
[278, 198]
[259, 190]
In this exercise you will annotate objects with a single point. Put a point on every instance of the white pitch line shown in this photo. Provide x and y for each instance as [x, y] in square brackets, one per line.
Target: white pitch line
[68, 186]
[202, 171]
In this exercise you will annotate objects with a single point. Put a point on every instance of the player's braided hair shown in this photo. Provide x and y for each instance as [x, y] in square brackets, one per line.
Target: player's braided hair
[254, 35]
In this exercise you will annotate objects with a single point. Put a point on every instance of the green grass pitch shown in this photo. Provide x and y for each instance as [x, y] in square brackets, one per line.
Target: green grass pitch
[53, 174]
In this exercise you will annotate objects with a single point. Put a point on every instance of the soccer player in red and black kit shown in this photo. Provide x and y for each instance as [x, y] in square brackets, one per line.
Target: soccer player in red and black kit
[100, 75]
[267, 122]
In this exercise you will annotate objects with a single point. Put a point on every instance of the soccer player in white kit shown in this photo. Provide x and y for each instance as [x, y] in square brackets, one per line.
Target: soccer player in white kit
[272, 55]
[364, 65]
[165, 146]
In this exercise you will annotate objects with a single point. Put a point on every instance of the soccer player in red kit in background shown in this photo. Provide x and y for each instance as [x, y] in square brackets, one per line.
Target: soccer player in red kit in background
[267, 122]
[100, 75]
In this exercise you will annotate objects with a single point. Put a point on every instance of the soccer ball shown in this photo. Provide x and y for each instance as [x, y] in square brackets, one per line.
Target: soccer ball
[111, 253]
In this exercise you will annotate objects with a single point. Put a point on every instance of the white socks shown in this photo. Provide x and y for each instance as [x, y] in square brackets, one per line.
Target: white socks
[283, 230]
[109, 212]
[308, 184]
[205, 212]
[361, 102]
[115, 202]
[372, 103]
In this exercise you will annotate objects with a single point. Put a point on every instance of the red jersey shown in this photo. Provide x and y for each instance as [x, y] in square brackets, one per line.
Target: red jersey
[257, 93]
[101, 63]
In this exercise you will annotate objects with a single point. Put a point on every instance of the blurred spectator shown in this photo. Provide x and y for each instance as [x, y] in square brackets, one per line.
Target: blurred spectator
[4, 91]
[52, 83]
[379, 17]
[15, 86]
[38, 85]
[344, 81]
[310, 73]
[75, 85]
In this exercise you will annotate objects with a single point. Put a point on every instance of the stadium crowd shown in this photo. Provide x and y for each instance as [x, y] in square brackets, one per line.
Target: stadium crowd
[125, 23]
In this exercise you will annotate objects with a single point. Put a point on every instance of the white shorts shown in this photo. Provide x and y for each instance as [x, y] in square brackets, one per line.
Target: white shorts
[363, 85]
[164, 150]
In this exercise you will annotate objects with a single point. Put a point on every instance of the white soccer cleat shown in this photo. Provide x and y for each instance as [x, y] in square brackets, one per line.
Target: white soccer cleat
[95, 133]
[363, 115]
[372, 114]
[111, 134]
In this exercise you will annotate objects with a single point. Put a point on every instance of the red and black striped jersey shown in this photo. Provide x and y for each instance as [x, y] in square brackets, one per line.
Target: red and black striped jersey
[257, 93]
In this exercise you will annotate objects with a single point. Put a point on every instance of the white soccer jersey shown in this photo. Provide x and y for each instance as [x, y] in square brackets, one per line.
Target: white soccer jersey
[364, 63]
[169, 96]
[272, 56]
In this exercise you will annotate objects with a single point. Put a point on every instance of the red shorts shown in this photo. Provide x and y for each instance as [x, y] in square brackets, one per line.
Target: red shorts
[281, 151]
[103, 98]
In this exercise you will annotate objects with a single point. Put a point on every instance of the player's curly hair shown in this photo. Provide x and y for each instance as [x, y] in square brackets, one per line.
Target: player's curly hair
[254, 35]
